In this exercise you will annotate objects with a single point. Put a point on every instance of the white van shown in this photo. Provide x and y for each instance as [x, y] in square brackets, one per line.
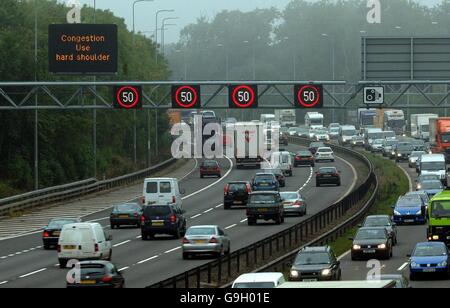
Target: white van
[83, 241]
[283, 161]
[162, 191]
[434, 164]
[259, 281]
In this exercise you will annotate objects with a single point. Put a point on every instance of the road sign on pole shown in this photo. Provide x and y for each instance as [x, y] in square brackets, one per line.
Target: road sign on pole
[127, 97]
[308, 96]
[243, 96]
[373, 95]
[186, 97]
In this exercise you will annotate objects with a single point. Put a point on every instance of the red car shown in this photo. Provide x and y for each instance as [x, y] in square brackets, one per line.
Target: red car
[304, 158]
[210, 168]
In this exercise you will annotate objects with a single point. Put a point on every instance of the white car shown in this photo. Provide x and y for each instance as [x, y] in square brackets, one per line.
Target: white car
[83, 241]
[259, 281]
[324, 153]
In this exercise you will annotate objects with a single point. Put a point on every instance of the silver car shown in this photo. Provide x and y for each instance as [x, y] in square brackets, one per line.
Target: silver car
[205, 240]
[324, 153]
[293, 203]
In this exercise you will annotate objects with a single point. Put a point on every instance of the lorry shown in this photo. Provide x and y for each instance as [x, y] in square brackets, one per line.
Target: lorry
[366, 118]
[267, 118]
[420, 125]
[286, 117]
[314, 120]
[394, 120]
[248, 152]
[439, 218]
[440, 136]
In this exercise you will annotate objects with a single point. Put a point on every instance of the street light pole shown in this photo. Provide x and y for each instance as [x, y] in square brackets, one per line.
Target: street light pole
[94, 112]
[36, 119]
[156, 29]
[163, 29]
[333, 66]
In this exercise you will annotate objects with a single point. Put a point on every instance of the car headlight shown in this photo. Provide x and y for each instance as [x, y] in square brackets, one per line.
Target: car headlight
[399, 155]
[327, 272]
[294, 274]
[396, 213]
[414, 264]
[356, 247]
[393, 153]
[435, 237]
[382, 246]
[443, 264]
[419, 212]
[419, 186]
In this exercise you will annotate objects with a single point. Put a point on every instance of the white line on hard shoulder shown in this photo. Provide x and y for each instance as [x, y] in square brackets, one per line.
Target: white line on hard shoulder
[243, 220]
[33, 273]
[217, 206]
[195, 216]
[3, 282]
[172, 250]
[123, 269]
[229, 227]
[122, 243]
[146, 260]
[207, 211]
[401, 268]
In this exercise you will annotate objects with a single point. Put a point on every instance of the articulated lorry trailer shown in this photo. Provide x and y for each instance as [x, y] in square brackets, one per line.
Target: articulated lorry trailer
[420, 125]
[440, 136]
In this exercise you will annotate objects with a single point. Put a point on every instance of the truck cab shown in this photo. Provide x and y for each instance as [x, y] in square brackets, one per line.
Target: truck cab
[434, 164]
[439, 218]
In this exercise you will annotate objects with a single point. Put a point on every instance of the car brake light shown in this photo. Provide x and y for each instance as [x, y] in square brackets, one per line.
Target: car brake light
[185, 241]
[173, 218]
[96, 247]
[213, 241]
[298, 203]
[249, 188]
[136, 215]
[46, 234]
[143, 200]
[58, 248]
[174, 200]
[226, 189]
[142, 219]
[107, 279]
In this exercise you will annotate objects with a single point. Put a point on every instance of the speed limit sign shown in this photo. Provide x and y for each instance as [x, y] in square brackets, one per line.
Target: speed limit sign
[308, 96]
[186, 97]
[127, 97]
[243, 96]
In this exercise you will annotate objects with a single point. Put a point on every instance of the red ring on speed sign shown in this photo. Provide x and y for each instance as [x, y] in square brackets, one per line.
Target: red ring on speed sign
[300, 98]
[194, 100]
[250, 101]
[136, 95]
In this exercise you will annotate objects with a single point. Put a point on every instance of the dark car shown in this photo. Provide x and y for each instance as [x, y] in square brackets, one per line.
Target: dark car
[431, 187]
[266, 206]
[371, 243]
[419, 145]
[403, 150]
[401, 282]
[410, 210]
[315, 264]
[210, 168]
[236, 193]
[328, 175]
[97, 274]
[314, 146]
[281, 178]
[127, 214]
[382, 221]
[304, 158]
[265, 182]
[163, 219]
[50, 236]
[426, 177]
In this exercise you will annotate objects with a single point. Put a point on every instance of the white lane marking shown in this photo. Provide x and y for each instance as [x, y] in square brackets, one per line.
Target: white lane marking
[3, 282]
[90, 214]
[355, 179]
[172, 250]
[18, 253]
[218, 206]
[4, 257]
[123, 269]
[11, 255]
[195, 216]
[33, 273]
[410, 183]
[229, 227]
[213, 184]
[401, 268]
[344, 255]
[146, 260]
[207, 211]
[25, 251]
[123, 243]
[307, 181]
[190, 172]
[139, 236]
[243, 220]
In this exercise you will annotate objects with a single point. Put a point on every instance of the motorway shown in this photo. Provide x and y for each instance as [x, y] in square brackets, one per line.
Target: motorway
[408, 237]
[23, 262]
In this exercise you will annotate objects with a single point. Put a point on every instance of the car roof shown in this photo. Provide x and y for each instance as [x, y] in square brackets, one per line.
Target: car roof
[238, 182]
[258, 277]
[95, 262]
[316, 249]
[372, 228]
[265, 193]
[263, 173]
[433, 158]
[80, 225]
[378, 216]
[160, 179]
[204, 226]
[430, 244]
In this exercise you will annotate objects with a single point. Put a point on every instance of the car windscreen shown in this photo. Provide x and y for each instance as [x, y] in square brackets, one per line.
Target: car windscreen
[404, 147]
[429, 251]
[59, 223]
[409, 201]
[416, 154]
[431, 185]
[288, 196]
[92, 269]
[209, 164]
[237, 187]
[378, 141]
[432, 166]
[316, 145]
[264, 178]
[440, 209]
[377, 222]
[390, 143]
[126, 207]
[445, 138]
[370, 234]
[304, 154]
[327, 170]
[312, 258]
[324, 150]
[153, 210]
[254, 285]
[263, 199]
[348, 132]
[201, 231]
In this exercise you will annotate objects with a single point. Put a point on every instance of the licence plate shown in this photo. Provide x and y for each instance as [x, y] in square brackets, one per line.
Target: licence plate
[158, 224]
[429, 270]
[264, 184]
[237, 202]
[327, 176]
[200, 241]
[262, 210]
[123, 216]
[87, 281]
[369, 251]
[70, 247]
[310, 280]
[57, 233]
[409, 220]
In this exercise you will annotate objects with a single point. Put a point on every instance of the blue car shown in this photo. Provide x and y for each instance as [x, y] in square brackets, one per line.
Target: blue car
[431, 187]
[429, 258]
[265, 182]
[410, 210]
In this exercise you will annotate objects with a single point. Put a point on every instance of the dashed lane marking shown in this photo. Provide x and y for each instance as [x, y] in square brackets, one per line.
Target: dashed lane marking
[33, 273]
[146, 260]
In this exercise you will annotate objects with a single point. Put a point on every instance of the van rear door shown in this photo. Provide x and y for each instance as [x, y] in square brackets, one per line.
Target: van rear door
[161, 192]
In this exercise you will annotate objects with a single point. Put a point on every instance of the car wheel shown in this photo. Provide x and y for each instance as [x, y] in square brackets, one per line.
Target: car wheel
[282, 220]
[46, 247]
[251, 221]
[113, 227]
[62, 264]
[317, 185]
[339, 184]
[226, 206]
[109, 256]
[185, 256]
[144, 236]
[202, 176]
[177, 234]
[278, 220]
[412, 276]
[354, 258]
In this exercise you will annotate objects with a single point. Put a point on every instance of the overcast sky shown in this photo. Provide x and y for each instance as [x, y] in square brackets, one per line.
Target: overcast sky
[187, 10]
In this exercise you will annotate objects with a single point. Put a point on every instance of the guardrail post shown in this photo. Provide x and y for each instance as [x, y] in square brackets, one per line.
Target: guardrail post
[209, 273]
[290, 237]
[263, 246]
[247, 261]
[238, 261]
[284, 240]
[270, 246]
[186, 280]
[219, 272]
[198, 278]
[229, 266]
[278, 244]
[256, 253]
[174, 282]
[296, 235]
